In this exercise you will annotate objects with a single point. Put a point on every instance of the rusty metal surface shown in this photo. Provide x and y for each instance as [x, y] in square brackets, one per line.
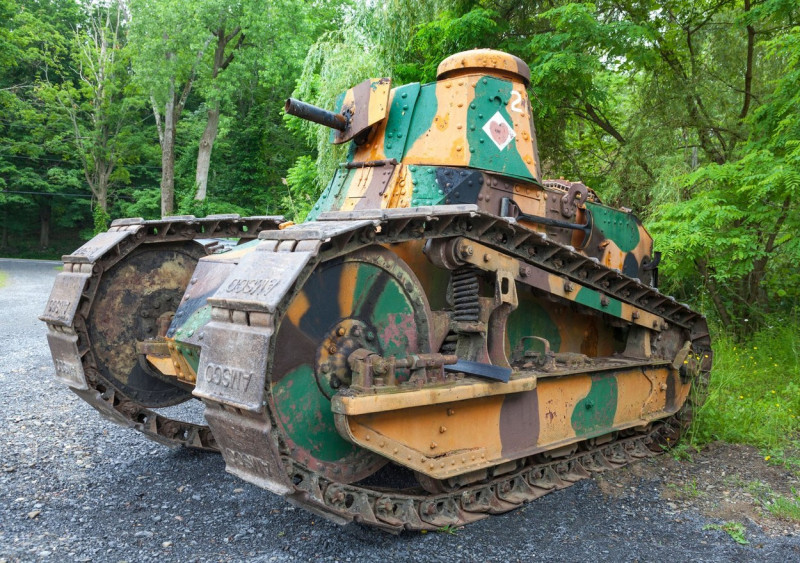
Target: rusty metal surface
[250, 448]
[69, 339]
[233, 368]
[393, 511]
[65, 298]
[260, 280]
[67, 358]
[323, 495]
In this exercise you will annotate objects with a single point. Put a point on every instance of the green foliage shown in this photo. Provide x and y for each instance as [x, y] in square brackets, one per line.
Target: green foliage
[737, 226]
[449, 33]
[144, 203]
[301, 180]
[101, 220]
[754, 391]
[735, 530]
[786, 508]
[656, 109]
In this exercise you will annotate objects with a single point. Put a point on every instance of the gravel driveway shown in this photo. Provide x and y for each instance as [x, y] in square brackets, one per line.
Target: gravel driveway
[75, 487]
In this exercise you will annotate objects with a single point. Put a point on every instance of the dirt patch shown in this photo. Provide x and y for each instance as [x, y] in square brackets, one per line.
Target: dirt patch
[727, 482]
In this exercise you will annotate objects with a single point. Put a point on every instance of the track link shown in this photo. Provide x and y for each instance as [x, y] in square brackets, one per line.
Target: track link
[334, 235]
[72, 298]
[244, 426]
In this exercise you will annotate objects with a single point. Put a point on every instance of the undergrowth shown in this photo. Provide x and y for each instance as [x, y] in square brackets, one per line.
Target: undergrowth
[734, 529]
[754, 394]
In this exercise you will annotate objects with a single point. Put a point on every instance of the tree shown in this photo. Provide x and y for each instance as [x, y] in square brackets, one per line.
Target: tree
[38, 175]
[739, 227]
[171, 45]
[97, 97]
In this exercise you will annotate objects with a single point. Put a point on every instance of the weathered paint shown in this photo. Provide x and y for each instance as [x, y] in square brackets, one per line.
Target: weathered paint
[492, 96]
[403, 103]
[478, 120]
[306, 416]
[448, 439]
[368, 287]
[595, 412]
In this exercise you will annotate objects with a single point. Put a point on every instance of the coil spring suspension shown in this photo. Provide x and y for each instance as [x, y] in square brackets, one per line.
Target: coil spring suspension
[465, 286]
[465, 290]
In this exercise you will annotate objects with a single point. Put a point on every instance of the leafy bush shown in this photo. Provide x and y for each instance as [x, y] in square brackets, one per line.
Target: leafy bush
[754, 392]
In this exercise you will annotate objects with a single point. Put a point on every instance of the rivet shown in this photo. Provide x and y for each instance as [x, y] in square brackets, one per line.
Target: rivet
[451, 412]
[433, 445]
[340, 331]
[367, 437]
[442, 429]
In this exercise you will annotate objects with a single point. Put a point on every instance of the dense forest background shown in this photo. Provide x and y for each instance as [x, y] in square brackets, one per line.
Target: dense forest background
[688, 112]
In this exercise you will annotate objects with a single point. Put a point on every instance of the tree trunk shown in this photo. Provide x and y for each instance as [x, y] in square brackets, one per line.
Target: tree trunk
[204, 152]
[4, 242]
[221, 62]
[168, 155]
[713, 291]
[44, 218]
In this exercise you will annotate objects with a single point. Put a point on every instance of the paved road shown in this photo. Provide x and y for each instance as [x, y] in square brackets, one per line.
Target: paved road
[75, 487]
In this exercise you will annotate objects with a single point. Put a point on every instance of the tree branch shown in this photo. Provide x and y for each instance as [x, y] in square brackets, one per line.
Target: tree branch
[748, 72]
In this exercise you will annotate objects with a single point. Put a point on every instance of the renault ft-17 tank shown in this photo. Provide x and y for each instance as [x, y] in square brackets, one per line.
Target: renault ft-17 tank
[446, 337]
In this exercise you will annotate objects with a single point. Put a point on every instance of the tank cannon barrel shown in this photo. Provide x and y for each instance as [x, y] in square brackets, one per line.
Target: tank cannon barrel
[317, 115]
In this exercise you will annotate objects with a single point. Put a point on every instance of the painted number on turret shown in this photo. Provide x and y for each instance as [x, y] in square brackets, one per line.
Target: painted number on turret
[516, 100]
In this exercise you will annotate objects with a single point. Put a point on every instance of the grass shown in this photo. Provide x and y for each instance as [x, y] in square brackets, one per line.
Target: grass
[687, 490]
[734, 529]
[786, 508]
[754, 394]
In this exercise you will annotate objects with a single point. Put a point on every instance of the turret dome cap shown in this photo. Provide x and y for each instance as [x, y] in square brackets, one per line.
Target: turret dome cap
[487, 61]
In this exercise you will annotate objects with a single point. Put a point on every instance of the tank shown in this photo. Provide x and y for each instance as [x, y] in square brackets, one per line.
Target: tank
[447, 336]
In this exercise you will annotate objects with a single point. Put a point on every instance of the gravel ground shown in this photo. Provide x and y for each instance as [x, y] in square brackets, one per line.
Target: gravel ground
[75, 487]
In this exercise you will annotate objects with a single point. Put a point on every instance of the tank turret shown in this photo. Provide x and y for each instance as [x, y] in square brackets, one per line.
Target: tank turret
[469, 138]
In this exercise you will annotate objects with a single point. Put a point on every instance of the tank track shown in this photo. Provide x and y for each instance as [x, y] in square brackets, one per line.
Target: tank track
[66, 320]
[333, 235]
